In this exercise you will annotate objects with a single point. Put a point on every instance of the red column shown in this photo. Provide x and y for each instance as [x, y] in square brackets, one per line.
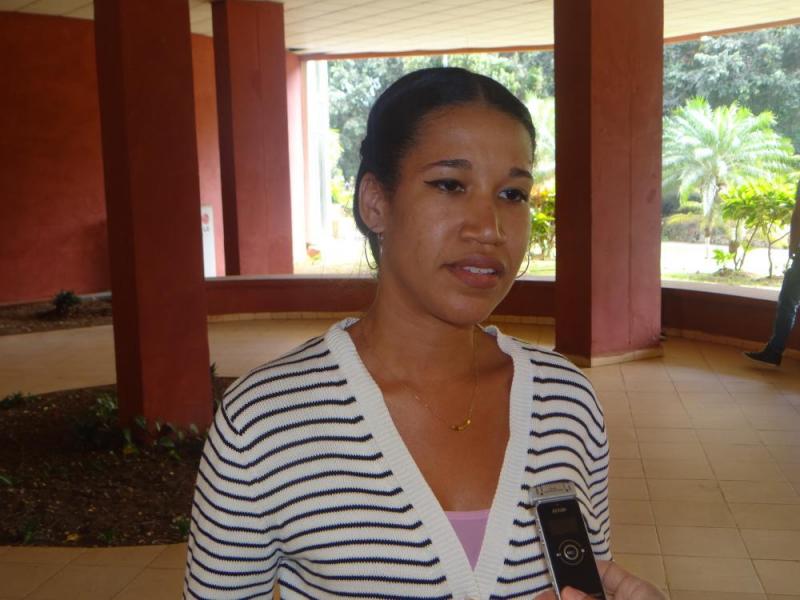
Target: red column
[144, 64]
[250, 60]
[608, 71]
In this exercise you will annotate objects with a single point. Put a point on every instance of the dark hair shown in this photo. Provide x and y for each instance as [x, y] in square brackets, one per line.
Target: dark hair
[396, 115]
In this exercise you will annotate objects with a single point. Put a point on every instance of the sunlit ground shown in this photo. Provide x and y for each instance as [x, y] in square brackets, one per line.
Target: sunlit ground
[679, 261]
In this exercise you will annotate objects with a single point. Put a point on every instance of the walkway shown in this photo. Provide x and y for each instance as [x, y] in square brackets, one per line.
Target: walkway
[705, 487]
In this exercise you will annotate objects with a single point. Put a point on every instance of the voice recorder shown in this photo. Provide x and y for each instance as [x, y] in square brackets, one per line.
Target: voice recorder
[567, 549]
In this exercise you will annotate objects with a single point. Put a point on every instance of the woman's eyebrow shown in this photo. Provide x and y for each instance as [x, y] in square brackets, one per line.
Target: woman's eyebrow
[518, 172]
[456, 163]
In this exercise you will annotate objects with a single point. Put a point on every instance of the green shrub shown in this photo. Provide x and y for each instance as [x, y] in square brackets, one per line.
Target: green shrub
[682, 227]
[98, 428]
[182, 523]
[543, 224]
[13, 400]
[64, 301]
[688, 227]
[691, 207]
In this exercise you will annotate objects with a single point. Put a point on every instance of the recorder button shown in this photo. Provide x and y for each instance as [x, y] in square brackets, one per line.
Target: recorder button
[570, 552]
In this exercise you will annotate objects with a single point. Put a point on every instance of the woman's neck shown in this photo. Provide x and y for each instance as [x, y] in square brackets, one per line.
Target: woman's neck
[423, 350]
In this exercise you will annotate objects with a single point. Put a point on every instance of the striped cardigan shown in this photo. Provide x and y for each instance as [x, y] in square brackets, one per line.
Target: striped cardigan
[305, 481]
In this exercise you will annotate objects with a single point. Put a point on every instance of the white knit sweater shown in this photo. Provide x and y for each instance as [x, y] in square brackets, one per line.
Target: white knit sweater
[305, 480]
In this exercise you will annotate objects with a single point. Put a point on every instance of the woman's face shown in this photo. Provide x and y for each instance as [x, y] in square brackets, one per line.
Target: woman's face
[456, 228]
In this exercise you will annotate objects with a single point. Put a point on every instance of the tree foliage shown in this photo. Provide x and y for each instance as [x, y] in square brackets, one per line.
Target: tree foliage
[355, 84]
[762, 208]
[707, 149]
[757, 69]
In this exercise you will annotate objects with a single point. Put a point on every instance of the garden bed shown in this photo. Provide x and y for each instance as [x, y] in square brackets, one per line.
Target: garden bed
[68, 477]
[43, 316]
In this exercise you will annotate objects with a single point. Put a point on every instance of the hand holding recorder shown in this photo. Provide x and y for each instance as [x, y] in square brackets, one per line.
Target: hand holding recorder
[568, 553]
[618, 584]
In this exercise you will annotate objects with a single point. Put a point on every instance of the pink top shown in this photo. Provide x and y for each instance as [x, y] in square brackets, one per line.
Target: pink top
[470, 527]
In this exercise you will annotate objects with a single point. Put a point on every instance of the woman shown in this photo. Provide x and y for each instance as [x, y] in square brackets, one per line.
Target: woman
[392, 457]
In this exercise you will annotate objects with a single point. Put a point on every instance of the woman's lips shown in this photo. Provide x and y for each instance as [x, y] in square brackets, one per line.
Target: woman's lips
[477, 271]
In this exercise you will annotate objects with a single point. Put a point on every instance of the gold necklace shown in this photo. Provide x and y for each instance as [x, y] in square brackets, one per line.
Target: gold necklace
[458, 427]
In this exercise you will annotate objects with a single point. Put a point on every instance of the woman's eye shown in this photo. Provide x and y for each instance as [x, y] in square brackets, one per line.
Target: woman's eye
[514, 195]
[446, 185]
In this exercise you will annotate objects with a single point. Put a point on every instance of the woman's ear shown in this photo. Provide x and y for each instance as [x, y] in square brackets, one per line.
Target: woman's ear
[373, 206]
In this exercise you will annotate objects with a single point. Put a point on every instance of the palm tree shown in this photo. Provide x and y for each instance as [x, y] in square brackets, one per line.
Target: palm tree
[543, 114]
[706, 150]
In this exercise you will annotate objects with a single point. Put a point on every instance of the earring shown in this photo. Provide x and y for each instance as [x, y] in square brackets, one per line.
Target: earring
[527, 264]
[373, 266]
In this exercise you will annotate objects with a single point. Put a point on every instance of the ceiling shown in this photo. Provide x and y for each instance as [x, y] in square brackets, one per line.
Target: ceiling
[360, 26]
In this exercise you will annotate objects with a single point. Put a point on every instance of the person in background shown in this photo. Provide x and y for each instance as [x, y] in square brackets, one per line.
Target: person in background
[392, 457]
[788, 299]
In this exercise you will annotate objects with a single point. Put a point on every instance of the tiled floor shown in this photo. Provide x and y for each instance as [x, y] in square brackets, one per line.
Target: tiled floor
[705, 479]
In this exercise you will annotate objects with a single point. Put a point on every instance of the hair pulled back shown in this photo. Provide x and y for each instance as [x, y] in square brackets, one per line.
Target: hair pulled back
[395, 118]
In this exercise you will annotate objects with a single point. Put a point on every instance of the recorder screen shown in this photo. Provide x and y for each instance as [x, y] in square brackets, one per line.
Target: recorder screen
[561, 523]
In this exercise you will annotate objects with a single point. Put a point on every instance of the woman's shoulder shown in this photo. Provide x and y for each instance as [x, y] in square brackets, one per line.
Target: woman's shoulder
[274, 387]
[559, 386]
[548, 363]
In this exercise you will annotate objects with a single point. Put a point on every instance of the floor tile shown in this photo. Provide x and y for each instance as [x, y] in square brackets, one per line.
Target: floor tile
[791, 471]
[645, 384]
[784, 453]
[634, 539]
[666, 436]
[662, 421]
[779, 576]
[711, 574]
[775, 423]
[620, 435]
[701, 541]
[704, 398]
[780, 438]
[618, 420]
[621, 488]
[613, 401]
[677, 469]
[20, 579]
[173, 557]
[736, 452]
[722, 421]
[654, 399]
[692, 514]
[631, 512]
[42, 555]
[770, 409]
[766, 492]
[740, 470]
[626, 467]
[694, 490]
[694, 595]
[77, 582]
[626, 450]
[777, 545]
[779, 517]
[699, 385]
[154, 584]
[130, 556]
[671, 451]
[728, 436]
[646, 566]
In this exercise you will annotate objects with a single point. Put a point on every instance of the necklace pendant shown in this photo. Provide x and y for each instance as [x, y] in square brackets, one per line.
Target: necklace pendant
[462, 426]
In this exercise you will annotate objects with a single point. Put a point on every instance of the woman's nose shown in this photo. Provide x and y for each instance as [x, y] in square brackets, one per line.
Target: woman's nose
[483, 221]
